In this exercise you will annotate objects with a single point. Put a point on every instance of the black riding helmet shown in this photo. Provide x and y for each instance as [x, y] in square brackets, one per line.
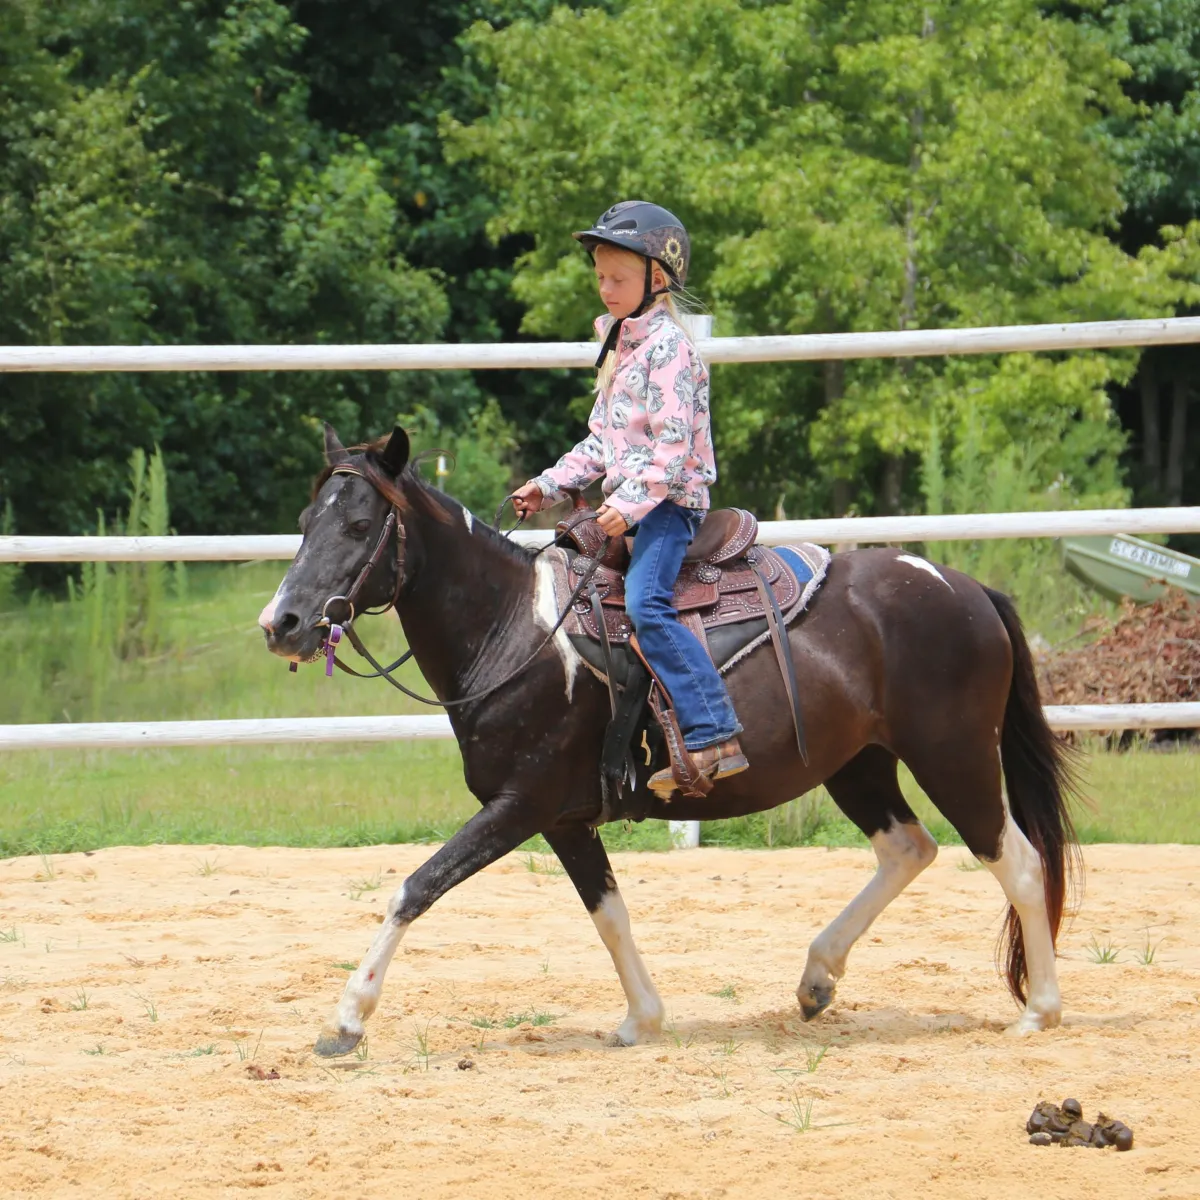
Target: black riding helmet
[645, 229]
[651, 231]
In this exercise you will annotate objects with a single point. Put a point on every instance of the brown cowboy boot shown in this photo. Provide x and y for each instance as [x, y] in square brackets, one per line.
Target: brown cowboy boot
[714, 762]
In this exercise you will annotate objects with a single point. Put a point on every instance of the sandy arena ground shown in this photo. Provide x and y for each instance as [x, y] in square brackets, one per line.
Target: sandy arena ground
[145, 989]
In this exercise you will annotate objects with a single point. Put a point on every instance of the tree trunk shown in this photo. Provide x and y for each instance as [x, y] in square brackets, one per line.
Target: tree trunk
[835, 389]
[892, 483]
[1178, 442]
[1151, 435]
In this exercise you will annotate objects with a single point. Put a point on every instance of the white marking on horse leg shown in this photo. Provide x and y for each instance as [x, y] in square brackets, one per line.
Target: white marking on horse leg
[645, 1014]
[470, 521]
[545, 613]
[922, 565]
[1018, 869]
[266, 618]
[904, 851]
[365, 986]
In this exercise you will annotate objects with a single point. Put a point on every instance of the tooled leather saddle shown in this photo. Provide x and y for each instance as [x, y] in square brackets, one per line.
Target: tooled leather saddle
[718, 584]
[731, 592]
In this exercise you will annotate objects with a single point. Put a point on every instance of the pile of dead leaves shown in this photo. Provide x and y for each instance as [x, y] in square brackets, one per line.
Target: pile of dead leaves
[1150, 655]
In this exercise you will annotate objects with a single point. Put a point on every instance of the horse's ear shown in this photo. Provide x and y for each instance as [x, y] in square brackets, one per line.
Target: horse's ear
[395, 454]
[335, 452]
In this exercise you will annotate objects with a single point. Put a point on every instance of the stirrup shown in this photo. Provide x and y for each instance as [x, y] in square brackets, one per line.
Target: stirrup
[713, 763]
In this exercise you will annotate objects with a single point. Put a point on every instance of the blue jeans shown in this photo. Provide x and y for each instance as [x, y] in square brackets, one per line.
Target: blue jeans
[701, 703]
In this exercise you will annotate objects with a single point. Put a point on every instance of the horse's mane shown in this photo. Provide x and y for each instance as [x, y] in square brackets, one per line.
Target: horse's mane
[411, 491]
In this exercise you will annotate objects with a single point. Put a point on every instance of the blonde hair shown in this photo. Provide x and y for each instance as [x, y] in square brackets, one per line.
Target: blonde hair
[678, 302]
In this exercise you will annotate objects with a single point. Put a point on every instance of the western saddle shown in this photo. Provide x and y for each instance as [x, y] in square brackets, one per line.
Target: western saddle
[726, 580]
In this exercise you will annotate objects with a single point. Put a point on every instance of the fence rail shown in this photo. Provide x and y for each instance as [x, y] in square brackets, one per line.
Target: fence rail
[913, 343]
[864, 530]
[906, 344]
[143, 735]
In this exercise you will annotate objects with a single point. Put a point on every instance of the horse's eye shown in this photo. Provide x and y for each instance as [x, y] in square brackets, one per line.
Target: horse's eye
[360, 527]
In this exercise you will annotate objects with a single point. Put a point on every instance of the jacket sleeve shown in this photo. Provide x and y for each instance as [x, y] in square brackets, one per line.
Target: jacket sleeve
[655, 469]
[579, 466]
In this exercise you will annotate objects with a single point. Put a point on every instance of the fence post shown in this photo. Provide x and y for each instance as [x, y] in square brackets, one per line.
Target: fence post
[685, 835]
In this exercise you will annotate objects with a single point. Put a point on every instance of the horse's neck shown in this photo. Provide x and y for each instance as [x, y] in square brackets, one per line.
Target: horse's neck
[468, 594]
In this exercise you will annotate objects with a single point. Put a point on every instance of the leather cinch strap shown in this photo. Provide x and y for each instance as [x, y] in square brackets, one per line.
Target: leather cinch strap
[783, 655]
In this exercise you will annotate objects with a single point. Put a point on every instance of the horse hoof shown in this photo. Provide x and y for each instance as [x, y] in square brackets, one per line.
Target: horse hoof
[337, 1043]
[619, 1041]
[814, 1001]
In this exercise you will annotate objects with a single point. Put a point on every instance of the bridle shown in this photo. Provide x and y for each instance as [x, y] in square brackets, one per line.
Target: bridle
[336, 629]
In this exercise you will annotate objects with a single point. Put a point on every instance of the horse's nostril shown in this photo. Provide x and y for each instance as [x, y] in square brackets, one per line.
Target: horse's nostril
[285, 624]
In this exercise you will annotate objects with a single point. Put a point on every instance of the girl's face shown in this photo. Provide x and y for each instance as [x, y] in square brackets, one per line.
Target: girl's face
[621, 279]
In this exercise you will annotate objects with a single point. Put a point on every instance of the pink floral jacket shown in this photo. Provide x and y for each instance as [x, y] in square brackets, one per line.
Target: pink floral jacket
[650, 433]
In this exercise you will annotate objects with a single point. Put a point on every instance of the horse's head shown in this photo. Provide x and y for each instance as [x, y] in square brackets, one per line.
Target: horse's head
[351, 557]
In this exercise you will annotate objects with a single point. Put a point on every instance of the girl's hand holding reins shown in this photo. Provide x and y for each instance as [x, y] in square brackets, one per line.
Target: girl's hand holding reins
[610, 520]
[527, 499]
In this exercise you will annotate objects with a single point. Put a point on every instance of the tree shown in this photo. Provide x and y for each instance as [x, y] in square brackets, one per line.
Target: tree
[842, 167]
[198, 202]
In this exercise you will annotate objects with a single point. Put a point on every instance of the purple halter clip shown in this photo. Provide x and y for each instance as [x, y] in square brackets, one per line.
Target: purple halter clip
[331, 642]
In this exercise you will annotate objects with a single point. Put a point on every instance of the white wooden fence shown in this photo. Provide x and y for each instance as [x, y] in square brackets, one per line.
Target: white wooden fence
[912, 343]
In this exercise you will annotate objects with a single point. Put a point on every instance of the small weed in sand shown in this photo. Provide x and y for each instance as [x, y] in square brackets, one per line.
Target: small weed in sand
[1102, 952]
[680, 1042]
[48, 872]
[98, 1052]
[543, 864]
[11, 934]
[813, 1056]
[545, 966]
[722, 1078]
[148, 1005]
[1147, 953]
[512, 1020]
[363, 1050]
[80, 1003]
[201, 1051]
[243, 1054]
[729, 1047]
[420, 1045]
[205, 868]
[345, 966]
[370, 883]
[728, 992]
[970, 864]
[798, 1114]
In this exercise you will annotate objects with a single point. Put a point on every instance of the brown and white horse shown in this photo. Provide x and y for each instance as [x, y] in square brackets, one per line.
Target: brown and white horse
[899, 660]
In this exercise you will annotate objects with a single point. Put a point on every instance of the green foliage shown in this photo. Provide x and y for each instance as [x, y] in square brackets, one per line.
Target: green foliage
[479, 455]
[842, 168]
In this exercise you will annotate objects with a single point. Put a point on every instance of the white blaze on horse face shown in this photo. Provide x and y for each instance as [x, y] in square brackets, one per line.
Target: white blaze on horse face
[470, 521]
[1018, 870]
[645, 1006]
[545, 614]
[266, 618]
[903, 851]
[922, 565]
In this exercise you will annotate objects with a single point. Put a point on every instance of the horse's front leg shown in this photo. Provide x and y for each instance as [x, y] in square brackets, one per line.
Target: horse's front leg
[500, 826]
[583, 855]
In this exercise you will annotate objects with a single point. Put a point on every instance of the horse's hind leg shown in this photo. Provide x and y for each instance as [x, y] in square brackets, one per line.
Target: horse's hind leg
[583, 855]
[500, 826]
[965, 787]
[867, 791]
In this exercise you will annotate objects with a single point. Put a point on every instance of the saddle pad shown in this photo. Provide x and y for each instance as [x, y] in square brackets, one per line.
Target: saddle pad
[728, 643]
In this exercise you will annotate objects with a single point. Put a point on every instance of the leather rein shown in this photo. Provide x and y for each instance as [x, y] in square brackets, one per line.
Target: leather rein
[337, 629]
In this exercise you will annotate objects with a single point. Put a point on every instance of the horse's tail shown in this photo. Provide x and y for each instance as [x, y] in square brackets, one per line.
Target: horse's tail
[1039, 776]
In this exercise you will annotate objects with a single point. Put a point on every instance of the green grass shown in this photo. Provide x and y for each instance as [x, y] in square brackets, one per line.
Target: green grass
[345, 795]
